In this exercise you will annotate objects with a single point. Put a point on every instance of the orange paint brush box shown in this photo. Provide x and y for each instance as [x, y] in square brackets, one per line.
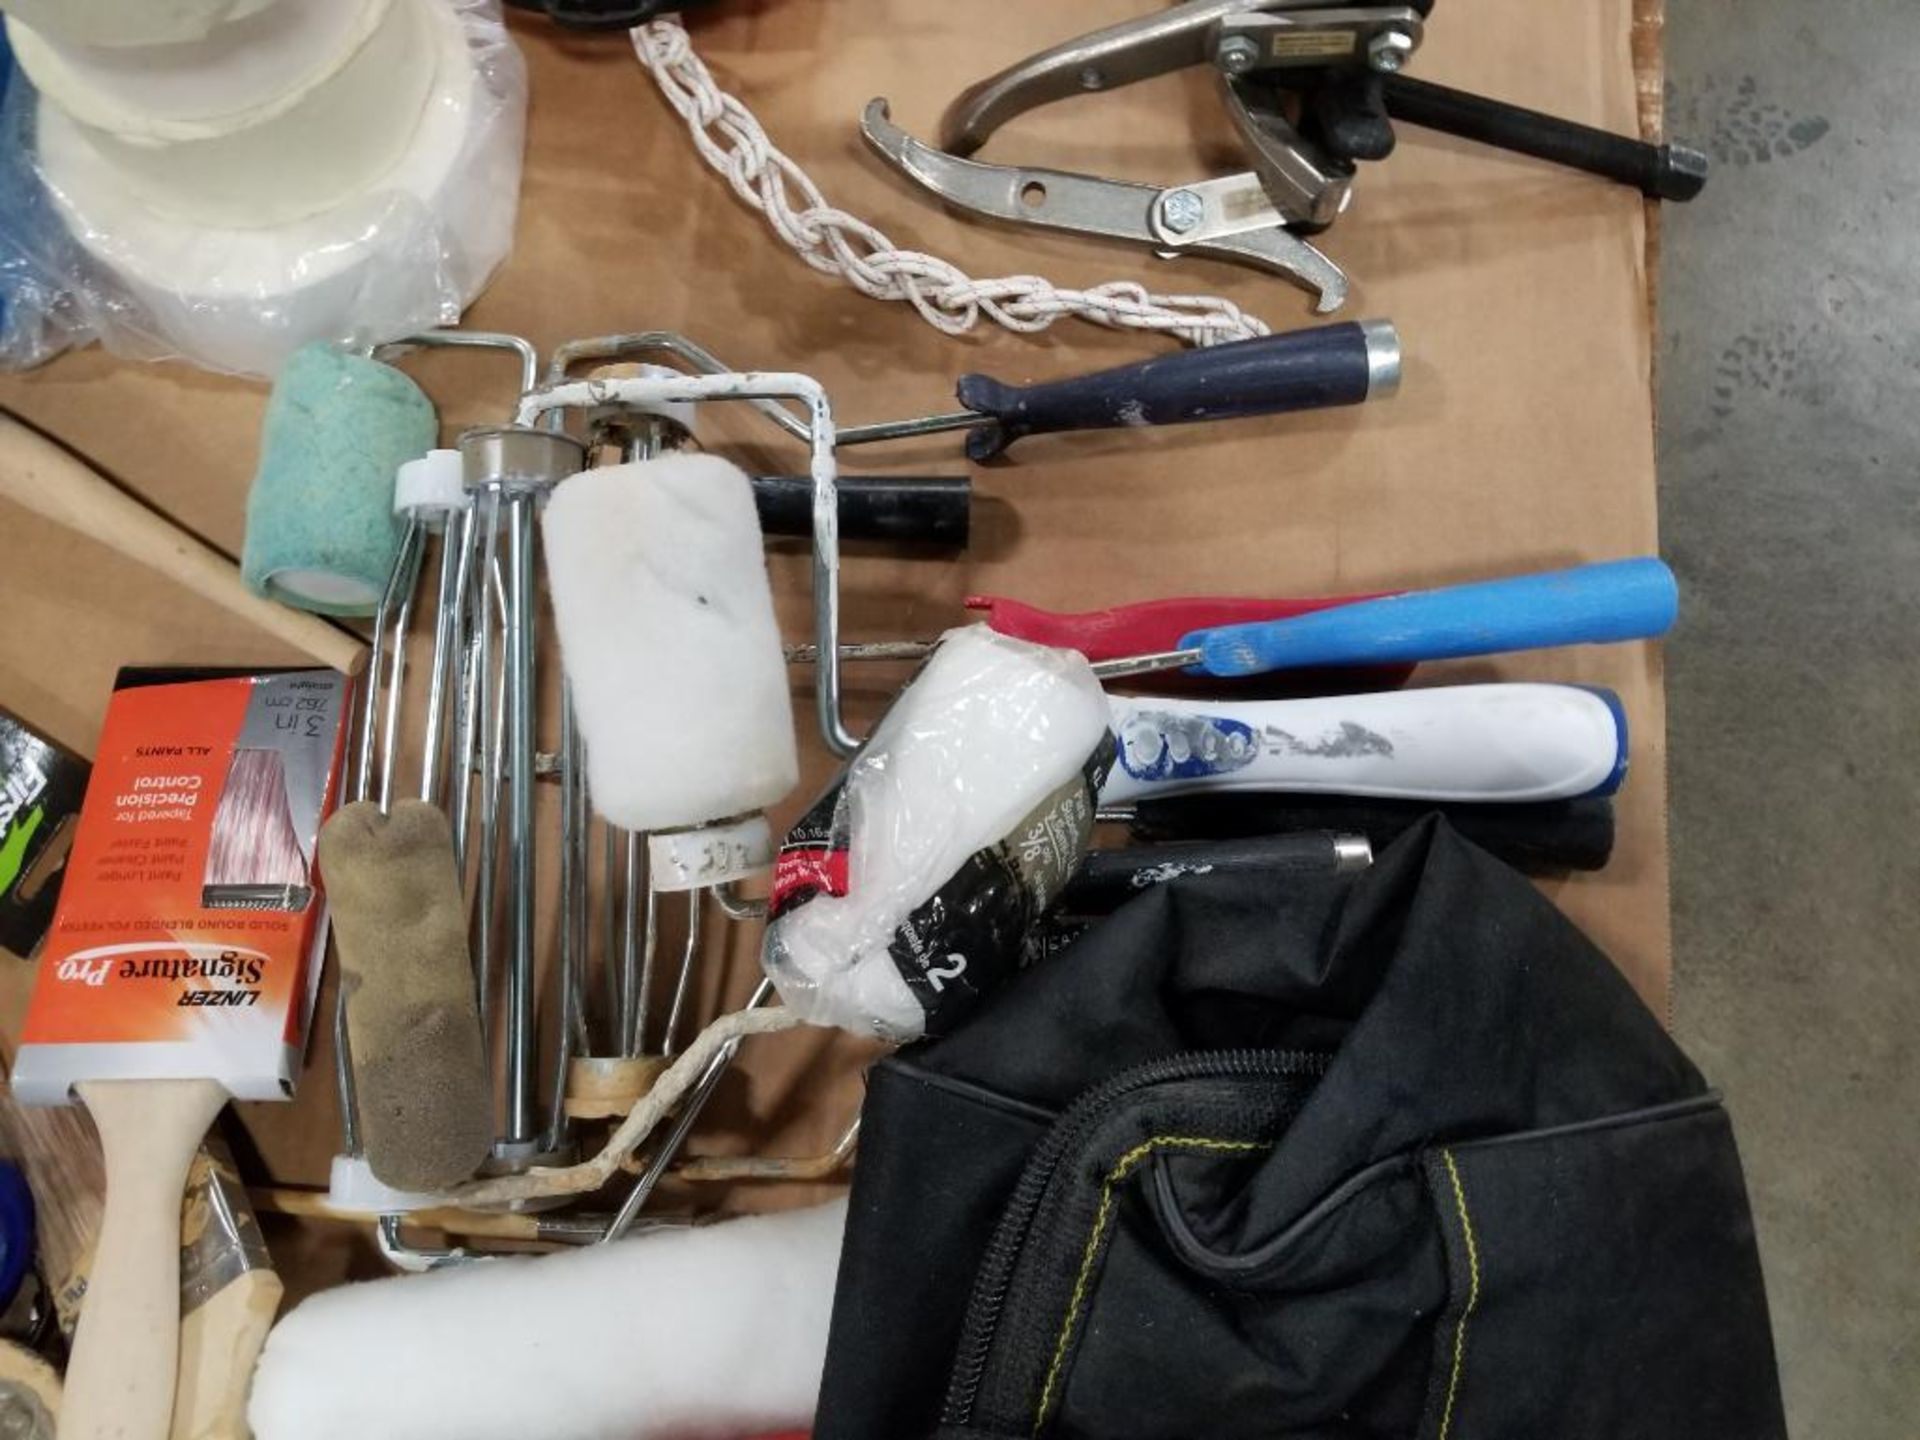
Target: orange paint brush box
[189, 933]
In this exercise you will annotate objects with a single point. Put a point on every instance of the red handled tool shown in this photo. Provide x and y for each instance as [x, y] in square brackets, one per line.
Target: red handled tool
[1153, 626]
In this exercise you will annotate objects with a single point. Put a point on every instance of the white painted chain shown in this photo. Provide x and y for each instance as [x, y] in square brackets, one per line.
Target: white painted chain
[732, 141]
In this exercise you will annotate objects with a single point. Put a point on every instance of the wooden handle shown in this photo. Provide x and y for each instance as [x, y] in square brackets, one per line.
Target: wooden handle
[52, 483]
[126, 1351]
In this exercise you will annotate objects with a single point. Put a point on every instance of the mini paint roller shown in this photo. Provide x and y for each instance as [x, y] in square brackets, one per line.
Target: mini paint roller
[321, 529]
[422, 1082]
[669, 642]
[908, 885]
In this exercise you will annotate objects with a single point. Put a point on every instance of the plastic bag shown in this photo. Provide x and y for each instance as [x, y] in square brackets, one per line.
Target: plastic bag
[81, 259]
[911, 886]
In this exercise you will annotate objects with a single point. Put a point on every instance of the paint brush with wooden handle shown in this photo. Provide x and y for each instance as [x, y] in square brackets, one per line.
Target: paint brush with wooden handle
[154, 1006]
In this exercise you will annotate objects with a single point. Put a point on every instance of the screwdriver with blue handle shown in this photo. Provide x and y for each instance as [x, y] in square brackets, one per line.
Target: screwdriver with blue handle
[1602, 604]
[1314, 369]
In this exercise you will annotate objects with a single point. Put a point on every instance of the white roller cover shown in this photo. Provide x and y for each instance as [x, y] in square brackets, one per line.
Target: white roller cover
[989, 728]
[668, 638]
[714, 1331]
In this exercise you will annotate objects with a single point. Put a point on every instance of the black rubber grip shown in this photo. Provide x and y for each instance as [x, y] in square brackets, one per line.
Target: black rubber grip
[1301, 370]
[898, 509]
[1543, 839]
[1107, 879]
[1662, 172]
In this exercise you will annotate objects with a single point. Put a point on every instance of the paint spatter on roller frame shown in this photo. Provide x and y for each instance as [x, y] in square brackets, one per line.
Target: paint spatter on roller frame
[1350, 743]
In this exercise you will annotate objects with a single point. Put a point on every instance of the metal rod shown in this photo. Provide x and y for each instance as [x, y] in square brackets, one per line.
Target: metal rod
[570, 957]
[446, 616]
[662, 342]
[490, 742]
[466, 724]
[690, 1108]
[688, 957]
[471, 340]
[649, 947]
[909, 429]
[899, 650]
[411, 549]
[1148, 664]
[576, 900]
[632, 1020]
[369, 697]
[522, 1032]
[343, 1077]
[869, 650]
[736, 906]
[609, 941]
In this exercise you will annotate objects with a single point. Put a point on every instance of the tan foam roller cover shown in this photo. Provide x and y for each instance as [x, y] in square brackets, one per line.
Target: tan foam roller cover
[413, 1023]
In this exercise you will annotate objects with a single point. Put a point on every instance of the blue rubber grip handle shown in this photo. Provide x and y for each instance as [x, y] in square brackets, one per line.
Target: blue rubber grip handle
[1301, 370]
[1588, 605]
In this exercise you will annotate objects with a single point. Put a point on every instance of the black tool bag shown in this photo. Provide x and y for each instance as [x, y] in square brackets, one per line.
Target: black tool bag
[1396, 1155]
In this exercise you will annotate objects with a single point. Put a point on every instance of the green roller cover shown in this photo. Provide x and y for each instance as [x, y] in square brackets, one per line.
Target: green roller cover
[321, 532]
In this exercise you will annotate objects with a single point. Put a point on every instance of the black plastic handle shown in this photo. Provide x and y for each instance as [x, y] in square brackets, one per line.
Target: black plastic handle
[1661, 172]
[1302, 370]
[897, 509]
[1547, 838]
[1107, 879]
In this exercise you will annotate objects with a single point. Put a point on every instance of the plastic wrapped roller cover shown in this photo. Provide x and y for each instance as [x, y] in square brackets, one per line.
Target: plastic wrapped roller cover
[911, 886]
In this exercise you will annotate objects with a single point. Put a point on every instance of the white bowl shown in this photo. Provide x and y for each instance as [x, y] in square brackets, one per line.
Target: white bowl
[130, 22]
[243, 299]
[249, 158]
[239, 75]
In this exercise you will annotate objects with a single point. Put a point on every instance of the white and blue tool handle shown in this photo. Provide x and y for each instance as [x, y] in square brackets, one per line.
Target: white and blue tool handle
[1310, 369]
[1485, 743]
[1588, 605]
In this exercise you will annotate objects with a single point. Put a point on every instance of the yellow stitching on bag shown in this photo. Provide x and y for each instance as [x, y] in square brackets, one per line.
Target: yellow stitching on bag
[1122, 1168]
[1473, 1292]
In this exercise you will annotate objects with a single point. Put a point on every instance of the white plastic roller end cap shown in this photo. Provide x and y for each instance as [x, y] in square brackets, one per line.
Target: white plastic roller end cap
[433, 487]
[351, 1187]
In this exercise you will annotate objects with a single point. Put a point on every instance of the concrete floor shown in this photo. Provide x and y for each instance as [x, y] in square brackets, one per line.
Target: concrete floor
[1790, 500]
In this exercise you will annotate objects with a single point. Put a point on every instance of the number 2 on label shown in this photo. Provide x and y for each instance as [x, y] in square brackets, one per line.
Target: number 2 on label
[938, 975]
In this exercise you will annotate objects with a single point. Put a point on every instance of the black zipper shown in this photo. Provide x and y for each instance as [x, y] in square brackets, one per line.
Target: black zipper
[995, 1279]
